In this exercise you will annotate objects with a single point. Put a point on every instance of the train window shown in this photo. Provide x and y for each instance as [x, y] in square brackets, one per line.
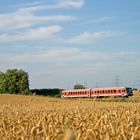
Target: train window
[119, 91]
[115, 91]
[123, 90]
[111, 91]
[108, 91]
[103, 91]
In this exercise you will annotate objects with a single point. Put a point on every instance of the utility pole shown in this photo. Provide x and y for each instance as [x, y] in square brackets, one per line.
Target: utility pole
[117, 80]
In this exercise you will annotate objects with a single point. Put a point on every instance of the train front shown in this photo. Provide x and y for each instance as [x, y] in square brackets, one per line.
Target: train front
[129, 91]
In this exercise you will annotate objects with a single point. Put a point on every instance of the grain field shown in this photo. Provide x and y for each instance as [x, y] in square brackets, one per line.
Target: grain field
[44, 118]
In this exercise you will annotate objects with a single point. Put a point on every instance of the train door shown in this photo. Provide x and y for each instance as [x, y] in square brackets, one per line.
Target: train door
[90, 93]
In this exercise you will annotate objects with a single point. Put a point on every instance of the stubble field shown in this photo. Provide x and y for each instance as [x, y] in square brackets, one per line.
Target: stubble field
[44, 118]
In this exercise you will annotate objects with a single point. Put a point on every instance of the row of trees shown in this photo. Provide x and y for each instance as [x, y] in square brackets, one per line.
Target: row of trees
[46, 92]
[17, 81]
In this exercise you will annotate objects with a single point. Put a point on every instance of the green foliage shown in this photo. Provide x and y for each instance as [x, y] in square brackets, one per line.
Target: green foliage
[46, 92]
[14, 81]
[79, 86]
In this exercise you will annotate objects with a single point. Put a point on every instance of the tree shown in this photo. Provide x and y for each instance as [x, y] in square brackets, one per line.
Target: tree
[79, 86]
[14, 81]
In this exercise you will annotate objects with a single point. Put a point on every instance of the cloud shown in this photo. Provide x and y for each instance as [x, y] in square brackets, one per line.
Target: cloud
[58, 4]
[99, 20]
[26, 17]
[33, 34]
[71, 65]
[21, 19]
[70, 3]
[88, 37]
[14, 25]
[67, 56]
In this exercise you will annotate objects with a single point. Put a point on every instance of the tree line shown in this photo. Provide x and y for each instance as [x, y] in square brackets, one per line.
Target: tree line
[15, 81]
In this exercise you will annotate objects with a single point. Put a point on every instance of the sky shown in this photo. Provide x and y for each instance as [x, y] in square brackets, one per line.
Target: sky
[61, 43]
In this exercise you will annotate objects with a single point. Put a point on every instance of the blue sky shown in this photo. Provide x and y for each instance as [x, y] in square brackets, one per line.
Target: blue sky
[64, 42]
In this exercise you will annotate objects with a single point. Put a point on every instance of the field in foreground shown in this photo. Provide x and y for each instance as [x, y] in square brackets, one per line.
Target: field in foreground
[44, 118]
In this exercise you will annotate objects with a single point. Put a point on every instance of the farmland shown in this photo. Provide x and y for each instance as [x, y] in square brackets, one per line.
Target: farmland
[46, 118]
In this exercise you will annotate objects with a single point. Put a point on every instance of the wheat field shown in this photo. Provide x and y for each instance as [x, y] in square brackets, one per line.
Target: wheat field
[45, 118]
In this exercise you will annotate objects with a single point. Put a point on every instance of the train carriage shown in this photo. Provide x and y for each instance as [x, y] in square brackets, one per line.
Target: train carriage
[97, 92]
[111, 91]
[76, 93]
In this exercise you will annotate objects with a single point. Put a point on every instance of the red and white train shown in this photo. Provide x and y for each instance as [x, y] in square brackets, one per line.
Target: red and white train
[98, 92]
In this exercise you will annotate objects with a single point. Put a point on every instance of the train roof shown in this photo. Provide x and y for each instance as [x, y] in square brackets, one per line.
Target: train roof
[77, 90]
[109, 88]
[102, 88]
